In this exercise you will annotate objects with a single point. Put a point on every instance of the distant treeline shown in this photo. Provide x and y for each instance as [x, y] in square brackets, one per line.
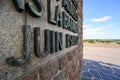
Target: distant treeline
[101, 41]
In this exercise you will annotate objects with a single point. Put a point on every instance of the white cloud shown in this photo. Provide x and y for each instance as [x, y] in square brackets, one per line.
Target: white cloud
[86, 26]
[93, 31]
[102, 19]
[90, 31]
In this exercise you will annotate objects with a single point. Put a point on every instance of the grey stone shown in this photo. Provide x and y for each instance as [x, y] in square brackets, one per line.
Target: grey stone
[103, 71]
[11, 38]
[60, 76]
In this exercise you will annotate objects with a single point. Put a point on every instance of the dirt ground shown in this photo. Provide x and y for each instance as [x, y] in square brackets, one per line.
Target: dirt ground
[109, 53]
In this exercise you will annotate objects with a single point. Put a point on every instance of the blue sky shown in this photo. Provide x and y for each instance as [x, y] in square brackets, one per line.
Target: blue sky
[101, 19]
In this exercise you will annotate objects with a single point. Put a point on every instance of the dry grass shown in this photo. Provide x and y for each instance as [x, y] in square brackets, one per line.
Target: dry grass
[101, 41]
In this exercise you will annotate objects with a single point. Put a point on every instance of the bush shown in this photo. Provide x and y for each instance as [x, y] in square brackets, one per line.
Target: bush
[118, 42]
[91, 41]
[97, 40]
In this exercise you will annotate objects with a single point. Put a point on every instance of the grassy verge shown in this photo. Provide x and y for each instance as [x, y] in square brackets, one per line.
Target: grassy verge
[101, 41]
[118, 42]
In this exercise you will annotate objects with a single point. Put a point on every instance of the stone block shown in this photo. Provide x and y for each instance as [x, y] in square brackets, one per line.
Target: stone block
[61, 75]
[61, 65]
[32, 76]
[63, 61]
[49, 70]
[70, 55]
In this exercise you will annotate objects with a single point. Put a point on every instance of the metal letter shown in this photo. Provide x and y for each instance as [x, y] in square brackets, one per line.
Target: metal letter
[26, 49]
[50, 15]
[52, 41]
[68, 22]
[64, 20]
[76, 27]
[73, 37]
[47, 40]
[37, 43]
[58, 41]
[67, 41]
[75, 2]
[32, 10]
[70, 40]
[66, 5]
[76, 40]
[70, 8]
[71, 24]
[58, 16]
[19, 4]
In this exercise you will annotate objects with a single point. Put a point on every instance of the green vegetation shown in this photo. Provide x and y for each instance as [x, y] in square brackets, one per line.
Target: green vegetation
[89, 41]
[104, 41]
[118, 42]
[101, 41]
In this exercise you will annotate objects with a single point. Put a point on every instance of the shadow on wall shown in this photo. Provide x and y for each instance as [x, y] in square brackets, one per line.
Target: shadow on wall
[94, 70]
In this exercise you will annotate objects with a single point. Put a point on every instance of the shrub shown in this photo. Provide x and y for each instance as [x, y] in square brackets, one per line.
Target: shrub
[118, 42]
[91, 41]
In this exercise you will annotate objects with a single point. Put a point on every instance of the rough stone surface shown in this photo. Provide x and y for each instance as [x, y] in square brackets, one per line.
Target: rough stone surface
[61, 76]
[70, 56]
[49, 70]
[63, 61]
[62, 65]
[33, 76]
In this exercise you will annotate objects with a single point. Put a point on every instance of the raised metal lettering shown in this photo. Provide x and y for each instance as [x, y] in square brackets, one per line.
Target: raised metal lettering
[37, 43]
[58, 16]
[47, 40]
[58, 41]
[65, 3]
[67, 40]
[26, 49]
[50, 15]
[76, 27]
[64, 20]
[75, 2]
[70, 8]
[19, 4]
[52, 41]
[33, 11]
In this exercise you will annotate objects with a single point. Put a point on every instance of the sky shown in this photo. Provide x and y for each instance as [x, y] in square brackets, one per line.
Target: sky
[101, 19]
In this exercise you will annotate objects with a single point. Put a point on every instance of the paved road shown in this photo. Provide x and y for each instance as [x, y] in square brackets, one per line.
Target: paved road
[94, 70]
[101, 63]
[109, 55]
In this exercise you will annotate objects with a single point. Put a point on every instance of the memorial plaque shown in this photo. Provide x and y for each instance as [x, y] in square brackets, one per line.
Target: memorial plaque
[62, 15]
[40, 38]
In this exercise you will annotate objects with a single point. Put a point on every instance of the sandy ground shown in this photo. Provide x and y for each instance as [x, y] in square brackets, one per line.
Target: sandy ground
[109, 53]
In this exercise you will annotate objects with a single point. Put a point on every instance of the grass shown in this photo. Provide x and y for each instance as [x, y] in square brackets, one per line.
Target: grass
[89, 41]
[118, 42]
[101, 41]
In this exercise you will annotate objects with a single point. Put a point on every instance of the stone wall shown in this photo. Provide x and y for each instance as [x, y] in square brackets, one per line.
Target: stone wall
[62, 65]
